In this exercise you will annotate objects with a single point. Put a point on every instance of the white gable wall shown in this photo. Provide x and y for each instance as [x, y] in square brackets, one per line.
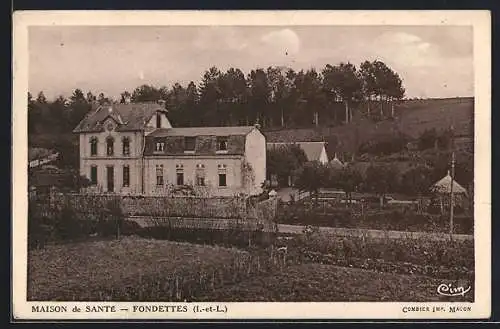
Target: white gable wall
[255, 155]
[165, 123]
[323, 158]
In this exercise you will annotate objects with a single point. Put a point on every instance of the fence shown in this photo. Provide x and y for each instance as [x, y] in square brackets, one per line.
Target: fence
[160, 206]
[230, 220]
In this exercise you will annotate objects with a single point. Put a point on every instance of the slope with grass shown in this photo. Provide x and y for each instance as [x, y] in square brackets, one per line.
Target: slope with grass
[412, 117]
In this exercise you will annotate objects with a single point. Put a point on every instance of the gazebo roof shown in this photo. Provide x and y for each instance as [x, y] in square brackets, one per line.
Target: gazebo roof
[444, 186]
[336, 163]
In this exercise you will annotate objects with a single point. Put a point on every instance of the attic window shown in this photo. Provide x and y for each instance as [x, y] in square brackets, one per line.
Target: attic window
[221, 143]
[189, 143]
[159, 146]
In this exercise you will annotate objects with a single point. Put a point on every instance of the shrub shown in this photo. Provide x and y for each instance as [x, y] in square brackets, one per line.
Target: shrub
[427, 257]
[68, 226]
[427, 139]
[384, 146]
[400, 219]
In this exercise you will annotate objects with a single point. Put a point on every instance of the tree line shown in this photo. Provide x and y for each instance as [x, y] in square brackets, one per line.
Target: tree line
[379, 177]
[276, 97]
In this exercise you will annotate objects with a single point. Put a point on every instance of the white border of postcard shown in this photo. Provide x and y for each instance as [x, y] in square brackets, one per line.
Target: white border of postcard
[481, 22]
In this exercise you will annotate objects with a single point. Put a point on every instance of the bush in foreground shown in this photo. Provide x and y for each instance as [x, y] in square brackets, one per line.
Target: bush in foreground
[443, 259]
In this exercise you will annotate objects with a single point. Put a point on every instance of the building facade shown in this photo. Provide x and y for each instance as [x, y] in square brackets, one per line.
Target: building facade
[133, 149]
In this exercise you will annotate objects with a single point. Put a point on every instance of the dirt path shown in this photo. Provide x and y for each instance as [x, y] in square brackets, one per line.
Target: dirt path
[296, 229]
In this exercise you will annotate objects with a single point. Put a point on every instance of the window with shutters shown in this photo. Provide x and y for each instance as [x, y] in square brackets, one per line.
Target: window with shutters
[126, 176]
[222, 175]
[93, 146]
[179, 170]
[126, 146]
[159, 175]
[200, 174]
[110, 146]
[93, 175]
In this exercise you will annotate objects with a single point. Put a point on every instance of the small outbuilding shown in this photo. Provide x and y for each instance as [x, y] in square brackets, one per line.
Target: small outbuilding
[442, 191]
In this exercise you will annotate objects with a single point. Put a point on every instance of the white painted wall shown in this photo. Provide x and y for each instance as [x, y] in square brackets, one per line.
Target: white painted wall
[233, 172]
[135, 174]
[118, 160]
[165, 123]
[323, 158]
[136, 141]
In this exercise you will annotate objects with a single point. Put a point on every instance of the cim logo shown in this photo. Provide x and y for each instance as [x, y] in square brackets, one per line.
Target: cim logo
[450, 290]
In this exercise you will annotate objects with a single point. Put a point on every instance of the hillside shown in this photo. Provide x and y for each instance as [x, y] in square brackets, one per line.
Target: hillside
[412, 117]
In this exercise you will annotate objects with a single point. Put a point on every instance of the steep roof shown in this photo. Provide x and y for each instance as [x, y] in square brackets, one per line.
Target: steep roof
[444, 186]
[202, 131]
[132, 116]
[311, 149]
[336, 163]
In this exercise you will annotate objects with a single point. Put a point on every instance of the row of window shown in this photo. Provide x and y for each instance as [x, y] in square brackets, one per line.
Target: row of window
[110, 146]
[199, 175]
[190, 144]
[110, 170]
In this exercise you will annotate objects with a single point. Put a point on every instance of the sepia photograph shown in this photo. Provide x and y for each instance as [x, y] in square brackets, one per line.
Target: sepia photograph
[252, 163]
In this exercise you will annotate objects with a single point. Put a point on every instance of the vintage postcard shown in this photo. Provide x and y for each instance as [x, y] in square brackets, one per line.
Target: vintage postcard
[237, 165]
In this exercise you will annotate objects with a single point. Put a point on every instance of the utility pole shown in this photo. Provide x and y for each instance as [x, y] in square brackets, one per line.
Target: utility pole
[451, 183]
[451, 193]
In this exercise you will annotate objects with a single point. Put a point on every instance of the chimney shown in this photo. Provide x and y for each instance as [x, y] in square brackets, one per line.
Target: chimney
[257, 124]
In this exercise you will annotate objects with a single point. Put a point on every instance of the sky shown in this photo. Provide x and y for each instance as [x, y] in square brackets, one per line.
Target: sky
[433, 61]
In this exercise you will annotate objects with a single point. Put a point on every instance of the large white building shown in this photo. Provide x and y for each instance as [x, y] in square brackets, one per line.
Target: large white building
[133, 149]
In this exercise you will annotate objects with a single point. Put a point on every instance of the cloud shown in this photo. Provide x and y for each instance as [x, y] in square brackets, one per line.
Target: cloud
[432, 61]
[282, 41]
[405, 49]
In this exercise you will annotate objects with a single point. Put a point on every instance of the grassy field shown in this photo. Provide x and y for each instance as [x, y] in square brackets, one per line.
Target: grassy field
[327, 283]
[137, 269]
[129, 269]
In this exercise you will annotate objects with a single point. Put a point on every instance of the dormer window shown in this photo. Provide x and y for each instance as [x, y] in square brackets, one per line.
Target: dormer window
[159, 146]
[110, 146]
[93, 146]
[189, 144]
[126, 146]
[158, 120]
[221, 143]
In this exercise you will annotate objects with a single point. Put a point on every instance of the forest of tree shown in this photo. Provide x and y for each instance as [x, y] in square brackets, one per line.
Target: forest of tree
[275, 97]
